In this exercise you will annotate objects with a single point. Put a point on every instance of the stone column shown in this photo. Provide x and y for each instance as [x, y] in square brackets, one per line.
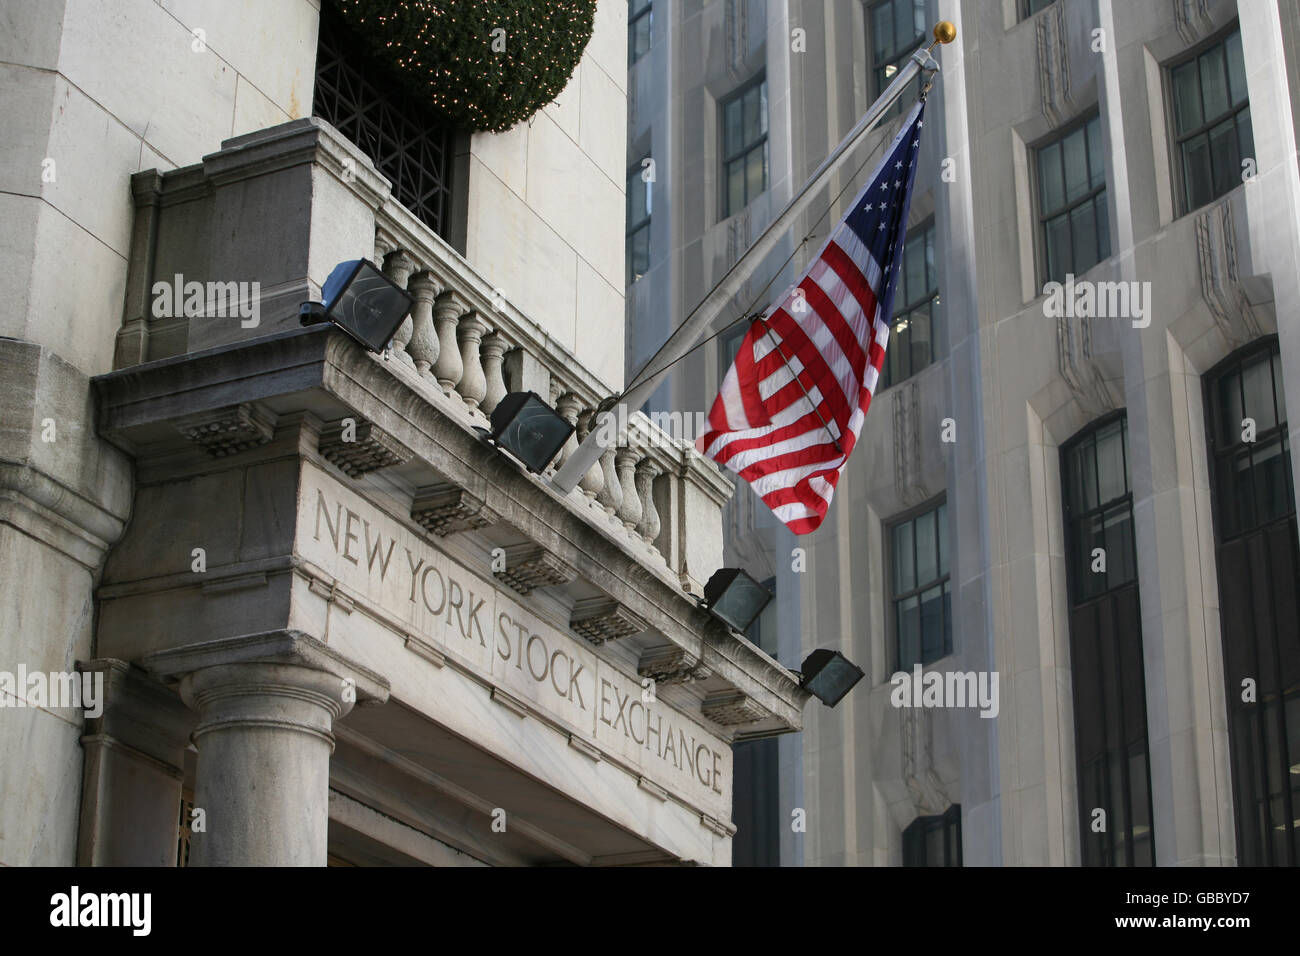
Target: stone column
[264, 739]
[266, 709]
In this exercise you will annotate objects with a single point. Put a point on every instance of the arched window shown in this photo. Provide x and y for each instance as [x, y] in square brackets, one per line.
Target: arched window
[1259, 597]
[1110, 717]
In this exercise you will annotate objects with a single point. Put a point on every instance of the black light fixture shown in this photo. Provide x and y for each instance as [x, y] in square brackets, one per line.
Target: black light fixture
[529, 429]
[361, 301]
[829, 675]
[735, 598]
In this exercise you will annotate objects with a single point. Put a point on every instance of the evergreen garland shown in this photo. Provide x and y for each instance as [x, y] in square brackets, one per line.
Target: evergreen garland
[443, 52]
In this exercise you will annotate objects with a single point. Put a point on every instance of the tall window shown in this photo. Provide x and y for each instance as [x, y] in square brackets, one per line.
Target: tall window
[1072, 201]
[639, 197]
[911, 331]
[1029, 7]
[934, 841]
[921, 599]
[1211, 121]
[1259, 597]
[897, 28]
[1110, 719]
[408, 146]
[744, 147]
[640, 21]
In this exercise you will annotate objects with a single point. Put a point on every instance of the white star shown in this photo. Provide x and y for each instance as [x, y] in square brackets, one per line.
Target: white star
[916, 143]
[897, 184]
[882, 227]
[884, 185]
[898, 165]
[867, 208]
[920, 123]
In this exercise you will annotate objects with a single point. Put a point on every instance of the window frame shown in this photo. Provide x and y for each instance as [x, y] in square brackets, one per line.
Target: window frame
[895, 58]
[925, 226]
[1089, 433]
[632, 228]
[634, 16]
[1181, 200]
[1057, 138]
[943, 580]
[757, 82]
[1259, 737]
[915, 834]
[1025, 9]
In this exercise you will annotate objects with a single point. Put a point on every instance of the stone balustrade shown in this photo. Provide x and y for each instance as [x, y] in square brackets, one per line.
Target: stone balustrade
[304, 198]
[463, 340]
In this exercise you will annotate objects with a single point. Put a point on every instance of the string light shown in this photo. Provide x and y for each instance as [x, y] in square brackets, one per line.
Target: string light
[451, 62]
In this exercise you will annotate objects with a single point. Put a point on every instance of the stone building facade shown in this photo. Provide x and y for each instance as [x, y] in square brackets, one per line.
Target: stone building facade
[1094, 503]
[282, 602]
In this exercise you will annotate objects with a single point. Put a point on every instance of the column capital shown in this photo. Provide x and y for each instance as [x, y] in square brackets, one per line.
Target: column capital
[274, 647]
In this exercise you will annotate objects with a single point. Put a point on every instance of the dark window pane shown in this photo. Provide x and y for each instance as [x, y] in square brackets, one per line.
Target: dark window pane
[736, 187]
[1083, 238]
[882, 29]
[927, 555]
[904, 559]
[1236, 70]
[914, 273]
[753, 174]
[1075, 151]
[932, 639]
[1214, 82]
[1096, 154]
[909, 632]
[1245, 137]
[942, 519]
[1196, 171]
[733, 137]
[1051, 187]
[1223, 156]
[1187, 98]
[1058, 247]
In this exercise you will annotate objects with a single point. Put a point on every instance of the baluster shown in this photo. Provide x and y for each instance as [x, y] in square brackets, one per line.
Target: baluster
[473, 383]
[625, 460]
[553, 399]
[398, 267]
[424, 341]
[646, 473]
[494, 350]
[593, 482]
[447, 310]
[567, 406]
[611, 495]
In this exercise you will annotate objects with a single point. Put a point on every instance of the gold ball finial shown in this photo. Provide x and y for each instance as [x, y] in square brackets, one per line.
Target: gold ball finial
[945, 32]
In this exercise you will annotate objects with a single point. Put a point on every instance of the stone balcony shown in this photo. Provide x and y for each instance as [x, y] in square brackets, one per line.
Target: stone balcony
[253, 423]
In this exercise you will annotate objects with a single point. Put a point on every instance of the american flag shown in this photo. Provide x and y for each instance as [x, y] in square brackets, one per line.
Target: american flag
[792, 404]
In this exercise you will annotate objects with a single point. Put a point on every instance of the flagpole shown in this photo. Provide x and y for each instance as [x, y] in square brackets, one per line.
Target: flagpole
[684, 338]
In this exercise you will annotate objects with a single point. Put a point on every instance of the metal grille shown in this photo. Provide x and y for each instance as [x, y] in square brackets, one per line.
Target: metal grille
[406, 144]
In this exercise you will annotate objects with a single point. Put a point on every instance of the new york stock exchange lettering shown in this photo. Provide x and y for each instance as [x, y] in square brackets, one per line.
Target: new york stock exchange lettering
[476, 623]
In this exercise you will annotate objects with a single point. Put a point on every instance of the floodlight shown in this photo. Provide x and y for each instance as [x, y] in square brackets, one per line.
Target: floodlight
[735, 598]
[529, 429]
[361, 301]
[829, 675]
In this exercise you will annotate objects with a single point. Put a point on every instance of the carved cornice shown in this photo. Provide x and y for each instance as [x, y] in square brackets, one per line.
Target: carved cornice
[672, 665]
[228, 431]
[1216, 253]
[732, 708]
[447, 509]
[603, 619]
[529, 566]
[368, 449]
